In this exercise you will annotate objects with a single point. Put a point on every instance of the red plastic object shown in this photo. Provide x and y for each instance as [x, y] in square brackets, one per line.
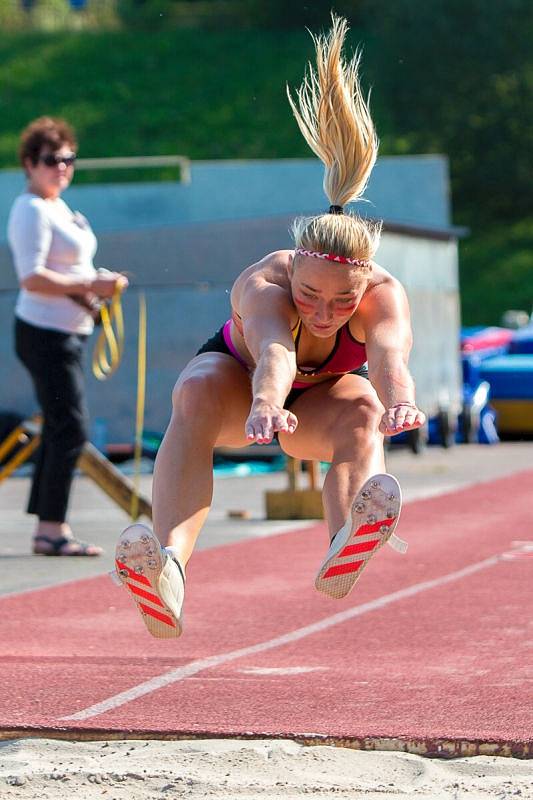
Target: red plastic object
[486, 339]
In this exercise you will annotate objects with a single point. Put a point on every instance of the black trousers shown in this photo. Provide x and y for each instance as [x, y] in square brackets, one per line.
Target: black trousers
[55, 363]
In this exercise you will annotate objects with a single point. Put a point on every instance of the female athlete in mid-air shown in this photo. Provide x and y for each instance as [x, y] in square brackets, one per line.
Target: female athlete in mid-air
[315, 351]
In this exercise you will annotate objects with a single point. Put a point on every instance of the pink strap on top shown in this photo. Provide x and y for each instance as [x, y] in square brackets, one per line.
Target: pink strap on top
[226, 333]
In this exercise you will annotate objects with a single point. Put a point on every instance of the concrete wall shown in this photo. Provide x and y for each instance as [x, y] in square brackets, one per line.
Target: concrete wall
[428, 269]
[410, 190]
[182, 317]
[184, 245]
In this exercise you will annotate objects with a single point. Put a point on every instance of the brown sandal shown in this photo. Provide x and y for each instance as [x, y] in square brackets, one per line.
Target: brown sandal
[57, 547]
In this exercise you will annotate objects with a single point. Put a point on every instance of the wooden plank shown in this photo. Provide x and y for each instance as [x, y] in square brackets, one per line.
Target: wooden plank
[293, 468]
[313, 467]
[294, 504]
[111, 480]
[91, 461]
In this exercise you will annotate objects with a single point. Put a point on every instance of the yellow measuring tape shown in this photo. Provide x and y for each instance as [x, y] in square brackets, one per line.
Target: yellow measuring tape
[139, 417]
[110, 343]
[106, 359]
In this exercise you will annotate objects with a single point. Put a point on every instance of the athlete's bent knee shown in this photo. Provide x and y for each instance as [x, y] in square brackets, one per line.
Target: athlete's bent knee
[357, 426]
[367, 413]
[361, 415]
[195, 394]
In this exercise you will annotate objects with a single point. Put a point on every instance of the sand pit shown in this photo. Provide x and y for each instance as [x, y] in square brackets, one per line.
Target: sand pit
[246, 770]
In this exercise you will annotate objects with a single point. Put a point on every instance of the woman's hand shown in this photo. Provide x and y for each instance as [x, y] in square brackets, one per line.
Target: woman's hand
[266, 419]
[107, 282]
[401, 417]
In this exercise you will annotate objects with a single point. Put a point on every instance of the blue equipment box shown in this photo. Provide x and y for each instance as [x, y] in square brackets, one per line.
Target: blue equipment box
[510, 376]
[522, 341]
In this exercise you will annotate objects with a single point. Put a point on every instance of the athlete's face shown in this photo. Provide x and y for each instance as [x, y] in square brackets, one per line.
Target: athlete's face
[326, 294]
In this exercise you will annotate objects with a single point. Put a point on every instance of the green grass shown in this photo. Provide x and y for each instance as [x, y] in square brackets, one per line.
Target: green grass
[217, 94]
[205, 95]
[496, 271]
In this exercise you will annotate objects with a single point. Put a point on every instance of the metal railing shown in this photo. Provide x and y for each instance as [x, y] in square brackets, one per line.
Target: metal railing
[136, 162]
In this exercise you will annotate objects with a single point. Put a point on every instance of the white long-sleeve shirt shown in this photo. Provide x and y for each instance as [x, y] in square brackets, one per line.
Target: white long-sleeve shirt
[47, 234]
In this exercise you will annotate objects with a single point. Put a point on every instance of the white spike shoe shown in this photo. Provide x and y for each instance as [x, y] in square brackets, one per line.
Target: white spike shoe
[374, 516]
[154, 580]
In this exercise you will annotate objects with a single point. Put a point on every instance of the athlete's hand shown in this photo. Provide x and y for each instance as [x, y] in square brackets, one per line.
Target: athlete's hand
[401, 417]
[266, 419]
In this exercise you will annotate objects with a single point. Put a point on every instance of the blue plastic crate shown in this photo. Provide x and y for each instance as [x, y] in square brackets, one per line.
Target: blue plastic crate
[510, 376]
[522, 341]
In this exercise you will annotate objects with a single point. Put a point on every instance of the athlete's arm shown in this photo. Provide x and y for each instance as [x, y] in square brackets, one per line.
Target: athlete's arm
[386, 320]
[266, 310]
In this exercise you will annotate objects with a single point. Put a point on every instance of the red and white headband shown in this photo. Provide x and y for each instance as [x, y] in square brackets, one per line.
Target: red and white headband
[356, 262]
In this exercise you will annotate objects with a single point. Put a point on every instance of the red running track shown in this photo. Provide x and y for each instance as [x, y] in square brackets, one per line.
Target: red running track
[435, 645]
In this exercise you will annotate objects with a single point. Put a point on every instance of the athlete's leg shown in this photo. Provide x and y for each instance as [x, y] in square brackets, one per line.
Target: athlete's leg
[210, 404]
[338, 422]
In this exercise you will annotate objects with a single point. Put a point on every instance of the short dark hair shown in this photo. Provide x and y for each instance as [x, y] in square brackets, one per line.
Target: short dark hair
[50, 131]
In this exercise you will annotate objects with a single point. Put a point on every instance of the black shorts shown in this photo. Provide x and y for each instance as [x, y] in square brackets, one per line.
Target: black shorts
[216, 344]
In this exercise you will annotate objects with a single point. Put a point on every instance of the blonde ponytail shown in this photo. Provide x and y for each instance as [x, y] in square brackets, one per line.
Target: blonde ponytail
[335, 120]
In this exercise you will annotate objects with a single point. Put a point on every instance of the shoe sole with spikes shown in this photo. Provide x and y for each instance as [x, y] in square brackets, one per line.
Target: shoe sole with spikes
[374, 516]
[153, 580]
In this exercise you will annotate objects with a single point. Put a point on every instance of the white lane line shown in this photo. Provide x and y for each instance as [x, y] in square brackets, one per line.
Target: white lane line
[181, 673]
[521, 549]
[280, 670]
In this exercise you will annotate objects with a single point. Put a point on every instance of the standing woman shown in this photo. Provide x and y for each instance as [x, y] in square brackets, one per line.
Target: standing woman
[316, 350]
[53, 248]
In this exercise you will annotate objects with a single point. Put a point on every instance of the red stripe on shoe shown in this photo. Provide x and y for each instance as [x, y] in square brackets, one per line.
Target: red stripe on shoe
[362, 547]
[342, 569]
[133, 575]
[158, 615]
[374, 528]
[153, 598]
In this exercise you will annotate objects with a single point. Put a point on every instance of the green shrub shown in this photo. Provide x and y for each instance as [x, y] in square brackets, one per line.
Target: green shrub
[54, 15]
[496, 271]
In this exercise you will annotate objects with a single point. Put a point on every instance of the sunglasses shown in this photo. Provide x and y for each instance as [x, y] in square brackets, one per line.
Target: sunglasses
[52, 160]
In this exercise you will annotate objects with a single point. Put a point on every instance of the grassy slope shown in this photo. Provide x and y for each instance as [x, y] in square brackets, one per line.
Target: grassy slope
[208, 94]
[496, 271]
[212, 95]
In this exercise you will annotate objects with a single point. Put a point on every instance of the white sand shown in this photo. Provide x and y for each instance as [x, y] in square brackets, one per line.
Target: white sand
[246, 770]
